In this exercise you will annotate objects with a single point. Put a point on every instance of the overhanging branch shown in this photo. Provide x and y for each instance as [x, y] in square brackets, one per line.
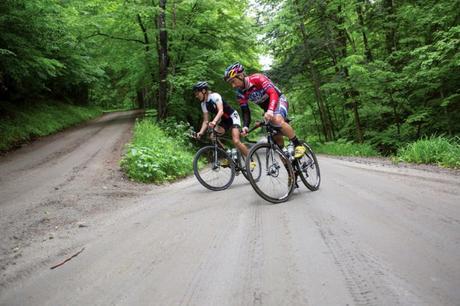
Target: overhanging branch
[114, 37]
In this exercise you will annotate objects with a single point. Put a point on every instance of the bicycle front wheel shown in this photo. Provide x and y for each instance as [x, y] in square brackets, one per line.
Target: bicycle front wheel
[308, 169]
[277, 179]
[213, 168]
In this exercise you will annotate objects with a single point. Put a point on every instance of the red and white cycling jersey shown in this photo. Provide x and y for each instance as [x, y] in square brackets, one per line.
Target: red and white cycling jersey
[261, 90]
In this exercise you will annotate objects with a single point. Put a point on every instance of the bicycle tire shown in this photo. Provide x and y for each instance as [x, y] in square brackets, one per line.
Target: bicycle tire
[256, 173]
[211, 174]
[307, 167]
[271, 168]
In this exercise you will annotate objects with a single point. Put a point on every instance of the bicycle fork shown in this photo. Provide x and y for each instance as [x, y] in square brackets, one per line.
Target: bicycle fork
[272, 166]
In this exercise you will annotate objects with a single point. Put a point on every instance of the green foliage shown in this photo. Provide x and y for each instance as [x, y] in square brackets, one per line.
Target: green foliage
[39, 52]
[433, 150]
[39, 119]
[207, 38]
[153, 156]
[151, 114]
[390, 69]
[105, 52]
[345, 148]
[180, 131]
[203, 38]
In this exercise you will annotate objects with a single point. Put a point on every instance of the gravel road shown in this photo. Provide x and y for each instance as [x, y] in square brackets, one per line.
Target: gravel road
[374, 234]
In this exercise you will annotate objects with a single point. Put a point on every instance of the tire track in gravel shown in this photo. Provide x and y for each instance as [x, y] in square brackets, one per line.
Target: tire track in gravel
[53, 157]
[365, 238]
[198, 282]
[368, 279]
[255, 262]
[57, 181]
[297, 292]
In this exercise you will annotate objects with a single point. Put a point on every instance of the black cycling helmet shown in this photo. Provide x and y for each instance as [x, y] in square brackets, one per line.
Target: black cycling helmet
[233, 70]
[200, 86]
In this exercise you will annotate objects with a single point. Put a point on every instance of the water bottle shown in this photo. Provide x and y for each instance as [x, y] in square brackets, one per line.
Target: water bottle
[286, 152]
[291, 149]
[234, 154]
[229, 152]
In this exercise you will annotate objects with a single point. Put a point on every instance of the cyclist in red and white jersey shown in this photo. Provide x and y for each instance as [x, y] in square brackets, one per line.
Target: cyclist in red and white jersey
[260, 89]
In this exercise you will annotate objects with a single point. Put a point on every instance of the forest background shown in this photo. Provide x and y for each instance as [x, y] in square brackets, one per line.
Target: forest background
[379, 75]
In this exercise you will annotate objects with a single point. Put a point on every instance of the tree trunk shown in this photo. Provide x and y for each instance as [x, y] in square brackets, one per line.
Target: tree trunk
[397, 121]
[367, 49]
[419, 130]
[163, 61]
[318, 129]
[315, 78]
[142, 92]
[391, 46]
[351, 93]
[390, 33]
[173, 63]
[446, 113]
[140, 99]
[329, 115]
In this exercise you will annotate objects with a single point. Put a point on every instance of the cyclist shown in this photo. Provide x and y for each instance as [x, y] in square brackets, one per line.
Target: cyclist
[226, 118]
[260, 89]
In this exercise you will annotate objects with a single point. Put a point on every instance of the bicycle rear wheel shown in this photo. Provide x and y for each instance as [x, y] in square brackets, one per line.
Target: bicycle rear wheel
[308, 169]
[213, 168]
[277, 178]
[256, 171]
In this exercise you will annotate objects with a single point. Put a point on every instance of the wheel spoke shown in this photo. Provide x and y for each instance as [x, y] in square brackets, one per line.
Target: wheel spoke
[213, 169]
[309, 169]
[275, 182]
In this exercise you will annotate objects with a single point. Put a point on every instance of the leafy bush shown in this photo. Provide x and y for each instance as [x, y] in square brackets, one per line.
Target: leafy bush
[342, 147]
[434, 150]
[153, 156]
[151, 114]
[177, 130]
[19, 125]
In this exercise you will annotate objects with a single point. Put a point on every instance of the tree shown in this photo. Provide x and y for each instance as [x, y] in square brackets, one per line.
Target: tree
[163, 60]
[385, 69]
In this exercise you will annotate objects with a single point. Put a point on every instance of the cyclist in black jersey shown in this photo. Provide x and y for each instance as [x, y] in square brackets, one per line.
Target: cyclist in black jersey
[225, 119]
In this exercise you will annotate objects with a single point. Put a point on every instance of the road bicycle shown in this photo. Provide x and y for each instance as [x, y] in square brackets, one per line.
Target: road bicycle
[280, 169]
[215, 167]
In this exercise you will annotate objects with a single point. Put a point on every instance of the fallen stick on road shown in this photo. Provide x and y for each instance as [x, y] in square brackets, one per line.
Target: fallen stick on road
[74, 255]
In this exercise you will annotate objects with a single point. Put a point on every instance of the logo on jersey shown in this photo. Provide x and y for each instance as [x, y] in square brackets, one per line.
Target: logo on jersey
[258, 96]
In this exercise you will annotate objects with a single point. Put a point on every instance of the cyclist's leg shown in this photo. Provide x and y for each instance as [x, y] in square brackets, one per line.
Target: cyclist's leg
[283, 126]
[237, 141]
[278, 122]
[220, 130]
[279, 119]
[234, 124]
[281, 114]
[235, 127]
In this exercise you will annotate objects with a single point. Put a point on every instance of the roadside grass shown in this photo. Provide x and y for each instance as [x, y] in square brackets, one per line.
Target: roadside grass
[121, 109]
[158, 154]
[39, 119]
[342, 148]
[438, 150]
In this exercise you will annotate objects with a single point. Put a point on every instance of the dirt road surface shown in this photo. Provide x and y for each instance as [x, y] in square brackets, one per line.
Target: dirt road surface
[374, 234]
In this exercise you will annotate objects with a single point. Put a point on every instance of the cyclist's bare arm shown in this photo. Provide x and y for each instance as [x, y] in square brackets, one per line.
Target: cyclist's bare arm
[204, 124]
[220, 112]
